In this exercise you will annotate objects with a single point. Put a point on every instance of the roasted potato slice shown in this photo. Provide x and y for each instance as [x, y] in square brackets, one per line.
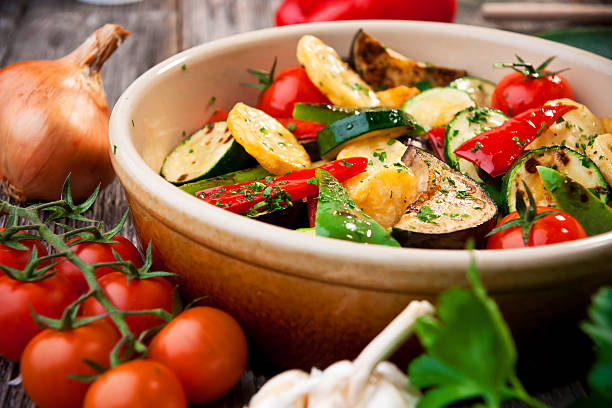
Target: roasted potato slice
[263, 137]
[341, 85]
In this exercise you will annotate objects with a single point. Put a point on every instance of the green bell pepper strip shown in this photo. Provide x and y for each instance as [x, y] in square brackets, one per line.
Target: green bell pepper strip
[571, 197]
[339, 217]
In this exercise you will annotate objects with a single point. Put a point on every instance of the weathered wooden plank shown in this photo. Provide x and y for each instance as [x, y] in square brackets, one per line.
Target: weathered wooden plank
[206, 20]
[11, 13]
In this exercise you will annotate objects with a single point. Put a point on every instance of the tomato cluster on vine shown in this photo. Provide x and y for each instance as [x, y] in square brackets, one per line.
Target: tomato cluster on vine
[92, 326]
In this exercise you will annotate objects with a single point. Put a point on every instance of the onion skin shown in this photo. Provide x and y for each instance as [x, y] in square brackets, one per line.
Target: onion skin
[54, 122]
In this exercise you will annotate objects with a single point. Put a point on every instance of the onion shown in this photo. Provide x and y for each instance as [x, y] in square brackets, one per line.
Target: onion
[54, 122]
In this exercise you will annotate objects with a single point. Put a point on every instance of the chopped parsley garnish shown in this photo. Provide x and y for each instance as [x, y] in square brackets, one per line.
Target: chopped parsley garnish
[312, 181]
[212, 100]
[291, 127]
[390, 141]
[477, 147]
[263, 130]
[382, 156]
[424, 85]
[184, 67]
[346, 164]
[427, 215]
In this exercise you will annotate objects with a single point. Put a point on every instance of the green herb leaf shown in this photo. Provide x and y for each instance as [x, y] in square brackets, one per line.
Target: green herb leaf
[459, 363]
[599, 329]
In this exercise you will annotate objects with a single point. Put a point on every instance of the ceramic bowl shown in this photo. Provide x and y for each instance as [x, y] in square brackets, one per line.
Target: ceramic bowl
[306, 300]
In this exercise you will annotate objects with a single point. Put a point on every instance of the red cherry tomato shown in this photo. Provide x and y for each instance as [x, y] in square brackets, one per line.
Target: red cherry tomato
[53, 355]
[291, 85]
[217, 116]
[516, 93]
[547, 230]
[18, 258]
[93, 252]
[48, 297]
[134, 295]
[207, 350]
[136, 384]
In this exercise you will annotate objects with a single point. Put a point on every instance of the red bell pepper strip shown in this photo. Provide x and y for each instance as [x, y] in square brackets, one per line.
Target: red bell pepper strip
[436, 137]
[306, 11]
[217, 116]
[301, 129]
[278, 192]
[494, 151]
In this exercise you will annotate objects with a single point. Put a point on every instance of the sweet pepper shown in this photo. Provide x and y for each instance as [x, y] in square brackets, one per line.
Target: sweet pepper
[306, 11]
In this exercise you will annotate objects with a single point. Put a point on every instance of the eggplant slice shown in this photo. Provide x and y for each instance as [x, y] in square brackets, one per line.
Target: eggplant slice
[383, 68]
[453, 209]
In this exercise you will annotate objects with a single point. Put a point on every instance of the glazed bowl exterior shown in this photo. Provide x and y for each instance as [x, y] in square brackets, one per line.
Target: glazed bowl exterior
[305, 300]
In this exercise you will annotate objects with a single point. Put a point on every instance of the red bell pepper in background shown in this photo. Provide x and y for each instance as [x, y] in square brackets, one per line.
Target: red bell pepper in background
[217, 116]
[301, 129]
[306, 11]
[494, 151]
[277, 192]
[436, 137]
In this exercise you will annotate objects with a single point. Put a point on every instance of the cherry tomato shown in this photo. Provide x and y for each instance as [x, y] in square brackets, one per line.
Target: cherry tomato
[18, 258]
[93, 252]
[547, 230]
[53, 355]
[290, 86]
[136, 384]
[217, 116]
[207, 350]
[134, 295]
[516, 93]
[48, 297]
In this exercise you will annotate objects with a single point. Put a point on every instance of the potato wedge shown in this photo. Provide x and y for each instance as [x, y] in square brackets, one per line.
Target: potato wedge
[325, 68]
[576, 131]
[387, 187]
[264, 138]
[396, 97]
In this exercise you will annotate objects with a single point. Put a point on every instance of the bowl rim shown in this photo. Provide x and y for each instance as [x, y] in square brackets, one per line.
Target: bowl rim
[126, 160]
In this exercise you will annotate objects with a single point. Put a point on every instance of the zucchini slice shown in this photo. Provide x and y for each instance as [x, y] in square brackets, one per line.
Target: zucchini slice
[437, 106]
[481, 90]
[600, 151]
[228, 179]
[208, 152]
[327, 71]
[453, 209]
[391, 123]
[464, 126]
[566, 161]
[324, 113]
[383, 68]
[263, 137]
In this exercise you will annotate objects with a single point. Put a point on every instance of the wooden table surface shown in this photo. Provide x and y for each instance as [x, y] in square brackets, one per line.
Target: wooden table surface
[48, 29]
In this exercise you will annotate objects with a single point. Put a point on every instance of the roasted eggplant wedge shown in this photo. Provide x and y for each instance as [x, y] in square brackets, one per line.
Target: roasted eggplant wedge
[452, 210]
[383, 68]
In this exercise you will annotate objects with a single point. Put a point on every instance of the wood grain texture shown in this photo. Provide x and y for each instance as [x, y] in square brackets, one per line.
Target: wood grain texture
[39, 29]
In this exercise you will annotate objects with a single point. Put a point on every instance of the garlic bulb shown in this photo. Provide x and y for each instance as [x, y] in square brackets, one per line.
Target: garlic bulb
[54, 122]
[367, 382]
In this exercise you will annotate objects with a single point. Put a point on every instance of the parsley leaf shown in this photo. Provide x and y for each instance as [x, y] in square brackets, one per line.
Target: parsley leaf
[599, 328]
[460, 345]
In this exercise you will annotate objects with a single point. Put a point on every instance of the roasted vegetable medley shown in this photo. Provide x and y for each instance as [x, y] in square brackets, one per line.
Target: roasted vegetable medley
[392, 151]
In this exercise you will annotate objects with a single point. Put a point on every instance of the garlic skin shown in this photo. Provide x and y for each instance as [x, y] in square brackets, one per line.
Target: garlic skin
[54, 122]
[367, 382]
